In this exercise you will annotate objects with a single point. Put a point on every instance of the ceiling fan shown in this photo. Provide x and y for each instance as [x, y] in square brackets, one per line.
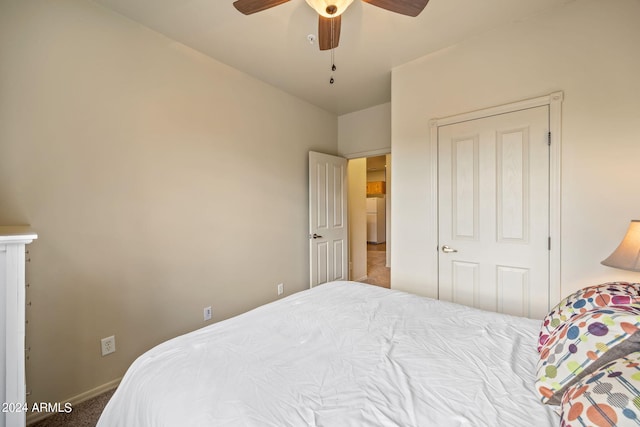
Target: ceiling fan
[329, 12]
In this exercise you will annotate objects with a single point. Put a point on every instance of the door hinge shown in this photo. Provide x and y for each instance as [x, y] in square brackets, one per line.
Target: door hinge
[549, 243]
[549, 138]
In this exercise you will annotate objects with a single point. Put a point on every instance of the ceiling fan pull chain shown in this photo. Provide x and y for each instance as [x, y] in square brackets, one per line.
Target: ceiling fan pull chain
[333, 61]
[333, 68]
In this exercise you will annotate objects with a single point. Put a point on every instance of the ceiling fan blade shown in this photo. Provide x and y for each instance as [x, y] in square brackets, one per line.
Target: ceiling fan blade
[328, 32]
[252, 6]
[403, 7]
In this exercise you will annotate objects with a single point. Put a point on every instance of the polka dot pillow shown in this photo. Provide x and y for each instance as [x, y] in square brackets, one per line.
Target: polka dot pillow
[608, 397]
[583, 344]
[598, 296]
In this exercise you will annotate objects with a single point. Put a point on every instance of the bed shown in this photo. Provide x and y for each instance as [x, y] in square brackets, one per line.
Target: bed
[341, 354]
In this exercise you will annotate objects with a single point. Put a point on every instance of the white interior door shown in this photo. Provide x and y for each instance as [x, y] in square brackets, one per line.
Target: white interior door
[328, 253]
[493, 212]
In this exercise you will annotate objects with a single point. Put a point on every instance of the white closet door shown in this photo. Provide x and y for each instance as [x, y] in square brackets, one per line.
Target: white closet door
[493, 207]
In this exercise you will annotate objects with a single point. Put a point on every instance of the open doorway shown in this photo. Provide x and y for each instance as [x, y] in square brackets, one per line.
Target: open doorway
[369, 219]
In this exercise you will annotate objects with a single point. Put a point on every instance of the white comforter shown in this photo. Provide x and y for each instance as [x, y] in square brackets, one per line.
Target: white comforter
[340, 354]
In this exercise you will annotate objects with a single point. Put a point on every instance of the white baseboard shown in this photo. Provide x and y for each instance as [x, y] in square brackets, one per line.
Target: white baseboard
[33, 417]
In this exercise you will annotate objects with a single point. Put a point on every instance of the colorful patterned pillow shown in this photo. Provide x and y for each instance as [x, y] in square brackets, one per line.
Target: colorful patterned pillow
[608, 397]
[598, 296]
[583, 344]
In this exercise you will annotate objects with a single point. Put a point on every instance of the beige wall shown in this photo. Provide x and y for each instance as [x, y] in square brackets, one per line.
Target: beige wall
[365, 132]
[159, 181]
[388, 177]
[589, 50]
[376, 176]
[357, 177]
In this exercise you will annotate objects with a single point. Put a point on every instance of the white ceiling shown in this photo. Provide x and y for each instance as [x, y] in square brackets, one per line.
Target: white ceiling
[273, 46]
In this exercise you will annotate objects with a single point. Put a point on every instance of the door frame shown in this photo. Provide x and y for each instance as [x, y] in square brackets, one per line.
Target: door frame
[554, 101]
[389, 178]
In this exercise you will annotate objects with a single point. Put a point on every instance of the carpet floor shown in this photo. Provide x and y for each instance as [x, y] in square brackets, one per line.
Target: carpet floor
[377, 271]
[84, 414]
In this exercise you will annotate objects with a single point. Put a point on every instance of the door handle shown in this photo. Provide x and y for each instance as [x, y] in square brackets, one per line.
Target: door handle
[316, 236]
[447, 250]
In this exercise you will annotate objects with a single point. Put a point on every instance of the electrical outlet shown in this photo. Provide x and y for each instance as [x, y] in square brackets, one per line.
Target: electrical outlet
[280, 288]
[207, 313]
[108, 345]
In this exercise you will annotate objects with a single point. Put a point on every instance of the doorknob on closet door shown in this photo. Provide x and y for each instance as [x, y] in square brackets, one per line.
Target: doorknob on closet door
[316, 236]
[447, 250]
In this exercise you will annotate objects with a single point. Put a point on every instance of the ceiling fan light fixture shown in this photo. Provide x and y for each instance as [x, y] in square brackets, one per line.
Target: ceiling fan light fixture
[329, 8]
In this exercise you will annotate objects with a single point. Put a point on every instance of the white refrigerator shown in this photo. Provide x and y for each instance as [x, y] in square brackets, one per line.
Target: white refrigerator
[376, 219]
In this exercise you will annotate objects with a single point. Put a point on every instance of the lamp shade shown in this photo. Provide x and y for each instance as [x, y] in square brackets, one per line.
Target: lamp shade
[627, 254]
[323, 7]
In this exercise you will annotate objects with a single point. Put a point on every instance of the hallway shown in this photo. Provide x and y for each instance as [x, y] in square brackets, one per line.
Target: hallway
[377, 272]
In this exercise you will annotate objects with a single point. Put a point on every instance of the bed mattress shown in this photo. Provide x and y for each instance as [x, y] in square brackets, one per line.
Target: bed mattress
[340, 354]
